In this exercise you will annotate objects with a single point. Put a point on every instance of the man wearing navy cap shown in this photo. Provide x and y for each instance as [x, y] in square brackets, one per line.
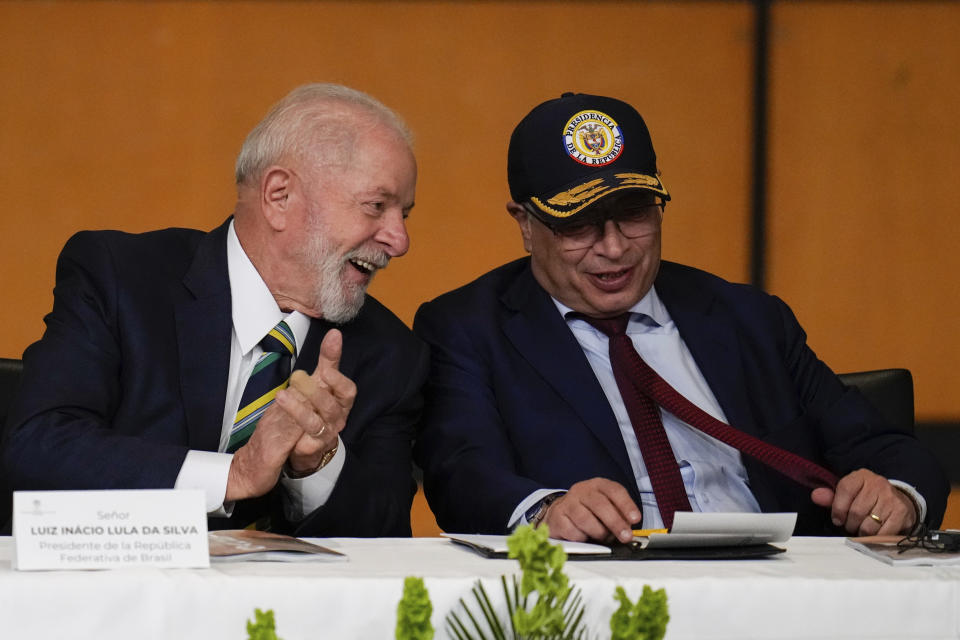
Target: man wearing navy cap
[594, 387]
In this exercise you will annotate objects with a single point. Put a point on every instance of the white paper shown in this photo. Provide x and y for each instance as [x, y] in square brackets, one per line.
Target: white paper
[724, 529]
[498, 544]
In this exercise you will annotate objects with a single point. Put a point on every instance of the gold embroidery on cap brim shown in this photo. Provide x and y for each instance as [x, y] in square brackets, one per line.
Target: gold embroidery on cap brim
[628, 181]
[639, 179]
[577, 194]
[568, 199]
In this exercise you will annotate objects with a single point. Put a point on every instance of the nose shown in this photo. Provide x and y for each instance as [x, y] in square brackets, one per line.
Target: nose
[611, 243]
[393, 233]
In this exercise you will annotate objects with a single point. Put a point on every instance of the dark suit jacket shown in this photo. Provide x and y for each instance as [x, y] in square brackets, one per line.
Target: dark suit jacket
[512, 404]
[131, 373]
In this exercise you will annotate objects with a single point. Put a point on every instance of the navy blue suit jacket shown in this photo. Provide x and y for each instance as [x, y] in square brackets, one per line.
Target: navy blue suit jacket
[131, 373]
[512, 404]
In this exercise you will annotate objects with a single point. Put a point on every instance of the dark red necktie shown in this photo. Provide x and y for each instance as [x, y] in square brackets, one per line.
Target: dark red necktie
[644, 415]
[636, 378]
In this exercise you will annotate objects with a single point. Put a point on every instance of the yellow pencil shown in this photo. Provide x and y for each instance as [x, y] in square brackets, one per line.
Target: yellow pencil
[643, 533]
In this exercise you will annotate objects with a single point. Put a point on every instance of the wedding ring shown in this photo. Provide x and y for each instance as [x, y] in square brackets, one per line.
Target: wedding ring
[876, 518]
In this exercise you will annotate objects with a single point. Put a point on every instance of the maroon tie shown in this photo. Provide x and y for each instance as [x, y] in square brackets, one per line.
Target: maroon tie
[644, 415]
[636, 378]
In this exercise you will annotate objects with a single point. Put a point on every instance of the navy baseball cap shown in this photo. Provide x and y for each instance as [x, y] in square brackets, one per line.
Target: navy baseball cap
[574, 150]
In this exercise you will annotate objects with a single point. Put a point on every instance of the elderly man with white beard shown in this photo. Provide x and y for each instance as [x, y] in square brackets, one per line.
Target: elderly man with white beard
[247, 361]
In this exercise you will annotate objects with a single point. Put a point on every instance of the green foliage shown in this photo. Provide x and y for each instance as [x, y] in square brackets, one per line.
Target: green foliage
[541, 562]
[542, 567]
[460, 629]
[413, 611]
[263, 628]
[557, 613]
[645, 620]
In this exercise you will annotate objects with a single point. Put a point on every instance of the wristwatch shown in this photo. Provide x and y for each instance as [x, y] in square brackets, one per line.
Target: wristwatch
[328, 456]
[324, 461]
[538, 511]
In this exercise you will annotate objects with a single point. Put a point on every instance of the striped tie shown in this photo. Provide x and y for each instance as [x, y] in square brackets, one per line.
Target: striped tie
[269, 375]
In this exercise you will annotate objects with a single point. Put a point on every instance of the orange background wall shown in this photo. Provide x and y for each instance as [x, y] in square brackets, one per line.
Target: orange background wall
[865, 170]
[129, 115]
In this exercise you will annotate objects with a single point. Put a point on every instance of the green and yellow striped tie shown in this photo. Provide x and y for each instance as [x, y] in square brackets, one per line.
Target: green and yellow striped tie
[270, 374]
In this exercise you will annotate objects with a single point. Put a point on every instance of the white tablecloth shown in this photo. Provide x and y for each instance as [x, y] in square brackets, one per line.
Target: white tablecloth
[818, 589]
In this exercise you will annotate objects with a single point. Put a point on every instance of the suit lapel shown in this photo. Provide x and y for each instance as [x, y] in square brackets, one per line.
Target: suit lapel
[204, 328]
[712, 339]
[710, 334]
[540, 334]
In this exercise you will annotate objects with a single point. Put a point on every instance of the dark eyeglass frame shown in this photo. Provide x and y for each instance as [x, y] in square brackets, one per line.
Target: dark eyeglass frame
[586, 234]
[931, 540]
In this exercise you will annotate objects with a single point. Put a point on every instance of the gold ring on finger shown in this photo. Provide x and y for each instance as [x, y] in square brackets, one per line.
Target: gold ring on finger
[876, 518]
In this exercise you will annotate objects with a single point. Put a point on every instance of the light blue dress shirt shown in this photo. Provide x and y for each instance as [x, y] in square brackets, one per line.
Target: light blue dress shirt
[712, 471]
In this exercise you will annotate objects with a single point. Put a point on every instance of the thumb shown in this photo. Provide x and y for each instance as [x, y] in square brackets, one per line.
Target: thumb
[330, 350]
[822, 496]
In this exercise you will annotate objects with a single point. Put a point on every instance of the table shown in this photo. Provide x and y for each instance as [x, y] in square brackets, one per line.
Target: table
[818, 589]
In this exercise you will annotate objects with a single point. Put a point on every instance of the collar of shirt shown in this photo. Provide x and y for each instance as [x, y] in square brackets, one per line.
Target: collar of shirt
[254, 310]
[649, 311]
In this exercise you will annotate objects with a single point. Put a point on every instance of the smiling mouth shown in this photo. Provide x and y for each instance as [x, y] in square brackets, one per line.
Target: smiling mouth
[612, 281]
[611, 275]
[364, 267]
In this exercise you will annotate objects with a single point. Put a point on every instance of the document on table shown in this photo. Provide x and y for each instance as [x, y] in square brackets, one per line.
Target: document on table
[885, 549]
[700, 536]
[247, 545]
[721, 530]
[496, 546]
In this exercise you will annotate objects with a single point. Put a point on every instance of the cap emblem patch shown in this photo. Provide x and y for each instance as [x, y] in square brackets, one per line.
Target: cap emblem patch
[592, 138]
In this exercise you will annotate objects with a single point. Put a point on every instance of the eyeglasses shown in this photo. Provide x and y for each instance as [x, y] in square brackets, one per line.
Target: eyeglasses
[933, 541]
[632, 220]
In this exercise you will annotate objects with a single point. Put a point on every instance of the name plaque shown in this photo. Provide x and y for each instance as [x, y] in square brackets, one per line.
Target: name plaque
[109, 529]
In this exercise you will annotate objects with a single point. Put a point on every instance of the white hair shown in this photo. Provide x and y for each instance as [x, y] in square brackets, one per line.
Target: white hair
[310, 120]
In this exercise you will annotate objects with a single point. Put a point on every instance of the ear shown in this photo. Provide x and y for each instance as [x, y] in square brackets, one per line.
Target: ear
[276, 194]
[523, 219]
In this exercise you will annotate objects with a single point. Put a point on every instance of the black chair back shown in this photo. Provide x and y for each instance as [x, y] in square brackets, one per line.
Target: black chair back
[10, 373]
[890, 391]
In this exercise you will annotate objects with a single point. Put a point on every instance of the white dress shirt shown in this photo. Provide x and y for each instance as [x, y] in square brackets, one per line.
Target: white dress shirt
[255, 313]
[712, 471]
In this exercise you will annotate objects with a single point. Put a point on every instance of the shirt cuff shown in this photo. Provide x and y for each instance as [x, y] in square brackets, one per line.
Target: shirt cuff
[518, 516]
[209, 471]
[304, 495]
[918, 501]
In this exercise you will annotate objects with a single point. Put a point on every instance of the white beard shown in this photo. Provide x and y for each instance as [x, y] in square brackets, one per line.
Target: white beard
[339, 302]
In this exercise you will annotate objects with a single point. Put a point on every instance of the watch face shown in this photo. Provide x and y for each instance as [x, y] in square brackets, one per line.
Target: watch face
[535, 514]
[534, 511]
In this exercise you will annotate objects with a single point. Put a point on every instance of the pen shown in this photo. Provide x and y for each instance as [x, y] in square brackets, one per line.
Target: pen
[643, 533]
